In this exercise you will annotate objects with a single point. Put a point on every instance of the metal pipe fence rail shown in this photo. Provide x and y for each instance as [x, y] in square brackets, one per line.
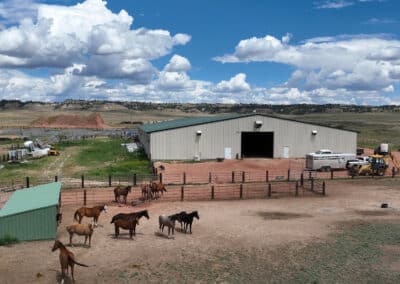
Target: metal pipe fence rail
[233, 177]
[202, 192]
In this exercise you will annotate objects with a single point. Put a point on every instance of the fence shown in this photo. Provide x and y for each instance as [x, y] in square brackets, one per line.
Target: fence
[200, 192]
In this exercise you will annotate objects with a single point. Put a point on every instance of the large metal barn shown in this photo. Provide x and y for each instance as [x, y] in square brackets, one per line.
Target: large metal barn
[30, 214]
[240, 136]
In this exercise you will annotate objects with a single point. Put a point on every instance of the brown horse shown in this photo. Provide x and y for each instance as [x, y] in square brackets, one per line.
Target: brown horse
[146, 191]
[120, 190]
[156, 188]
[89, 212]
[126, 224]
[67, 258]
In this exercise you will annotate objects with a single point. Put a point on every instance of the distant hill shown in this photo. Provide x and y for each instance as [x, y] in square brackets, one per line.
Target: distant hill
[93, 106]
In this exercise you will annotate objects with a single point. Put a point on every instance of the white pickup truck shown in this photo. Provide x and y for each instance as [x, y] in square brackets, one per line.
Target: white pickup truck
[326, 160]
[361, 161]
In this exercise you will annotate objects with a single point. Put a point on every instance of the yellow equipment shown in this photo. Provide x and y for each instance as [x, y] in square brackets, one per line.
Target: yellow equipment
[377, 166]
[53, 152]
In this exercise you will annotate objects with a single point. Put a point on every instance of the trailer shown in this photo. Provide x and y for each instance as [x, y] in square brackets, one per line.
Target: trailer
[326, 160]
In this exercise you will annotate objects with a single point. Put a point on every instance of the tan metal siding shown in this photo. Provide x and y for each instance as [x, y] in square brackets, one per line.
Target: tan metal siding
[182, 144]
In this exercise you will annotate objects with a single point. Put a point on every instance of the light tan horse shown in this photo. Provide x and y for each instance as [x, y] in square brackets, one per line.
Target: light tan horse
[89, 212]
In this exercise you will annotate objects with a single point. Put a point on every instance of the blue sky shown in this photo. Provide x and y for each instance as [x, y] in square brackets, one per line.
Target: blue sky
[328, 51]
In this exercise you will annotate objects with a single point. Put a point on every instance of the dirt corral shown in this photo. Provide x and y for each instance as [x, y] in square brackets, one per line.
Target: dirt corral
[234, 241]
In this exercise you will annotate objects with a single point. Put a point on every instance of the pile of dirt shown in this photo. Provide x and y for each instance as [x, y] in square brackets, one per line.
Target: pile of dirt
[93, 120]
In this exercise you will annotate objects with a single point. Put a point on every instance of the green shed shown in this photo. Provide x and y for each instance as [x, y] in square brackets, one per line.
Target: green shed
[30, 214]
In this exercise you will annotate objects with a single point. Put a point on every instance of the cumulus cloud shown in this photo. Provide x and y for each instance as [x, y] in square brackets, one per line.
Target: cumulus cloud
[236, 84]
[94, 36]
[177, 64]
[350, 63]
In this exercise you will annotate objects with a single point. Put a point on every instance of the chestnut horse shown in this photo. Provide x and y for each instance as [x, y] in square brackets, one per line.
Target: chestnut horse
[156, 188]
[119, 190]
[67, 258]
[89, 212]
[126, 224]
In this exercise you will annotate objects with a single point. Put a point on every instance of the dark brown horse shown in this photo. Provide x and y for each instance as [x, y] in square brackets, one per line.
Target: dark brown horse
[89, 212]
[126, 224]
[133, 215]
[120, 190]
[67, 258]
[157, 187]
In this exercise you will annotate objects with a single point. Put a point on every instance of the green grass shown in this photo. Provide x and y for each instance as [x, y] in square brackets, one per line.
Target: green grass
[8, 240]
[102, 157]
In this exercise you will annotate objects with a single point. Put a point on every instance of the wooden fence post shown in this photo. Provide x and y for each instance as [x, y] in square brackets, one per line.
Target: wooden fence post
[309, 175]
[184, 178]
[323, 188]
[182, 193]
[302, 180]
[209, 177]
[212, 192]
[82, 181]
[84, 197]
[134, 179]
[27, 182]
[266, 176]
[160, 177]
[241, 190]
[109, 180]
[288, 174]
[297, 188]
[233, 177]
[393, 172]
[331, 174]
[55, 178]
[312, 184]
[269, 190]
[243, 177]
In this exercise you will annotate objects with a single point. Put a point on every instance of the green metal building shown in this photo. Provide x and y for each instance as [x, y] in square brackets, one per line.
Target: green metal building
[30, 214]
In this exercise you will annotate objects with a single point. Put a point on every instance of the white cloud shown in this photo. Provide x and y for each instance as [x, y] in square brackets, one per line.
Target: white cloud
[333, 4]
[87, 33]
[351, 63]
[236, 84]
[178, 63]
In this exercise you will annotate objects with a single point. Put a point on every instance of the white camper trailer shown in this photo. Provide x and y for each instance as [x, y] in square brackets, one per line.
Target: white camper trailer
[326, 160]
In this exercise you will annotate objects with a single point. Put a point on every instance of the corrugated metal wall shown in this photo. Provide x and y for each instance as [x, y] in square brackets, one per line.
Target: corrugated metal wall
[184, 144]
[145, 140]
[38, 224]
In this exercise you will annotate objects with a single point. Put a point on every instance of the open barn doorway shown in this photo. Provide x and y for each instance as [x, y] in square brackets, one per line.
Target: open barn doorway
[257, 144]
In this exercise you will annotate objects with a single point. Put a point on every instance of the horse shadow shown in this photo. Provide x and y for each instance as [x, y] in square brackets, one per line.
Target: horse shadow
[161, 235]
[67, 279]
[78, 245]
[180, 230]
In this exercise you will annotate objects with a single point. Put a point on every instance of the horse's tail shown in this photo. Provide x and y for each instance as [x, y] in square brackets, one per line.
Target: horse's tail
[81, 264]
[76, 215]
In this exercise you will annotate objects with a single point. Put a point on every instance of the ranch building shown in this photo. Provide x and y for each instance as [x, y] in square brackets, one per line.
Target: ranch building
[30, 214]
[240, 136]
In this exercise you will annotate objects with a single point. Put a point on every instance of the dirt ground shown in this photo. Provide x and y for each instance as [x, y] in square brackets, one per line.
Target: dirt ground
[251, 229]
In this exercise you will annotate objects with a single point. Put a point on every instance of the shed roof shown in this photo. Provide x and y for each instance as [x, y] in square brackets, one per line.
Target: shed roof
[33, 198]
[191, 121]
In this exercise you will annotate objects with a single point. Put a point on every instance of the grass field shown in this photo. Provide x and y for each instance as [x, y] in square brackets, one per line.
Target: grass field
[98, 157]
[373, 128]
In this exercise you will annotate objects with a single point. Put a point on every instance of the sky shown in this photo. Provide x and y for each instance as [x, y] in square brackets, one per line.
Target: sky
[208, 51]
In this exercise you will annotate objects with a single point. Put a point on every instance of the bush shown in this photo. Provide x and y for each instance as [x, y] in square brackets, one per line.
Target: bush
[8, 240]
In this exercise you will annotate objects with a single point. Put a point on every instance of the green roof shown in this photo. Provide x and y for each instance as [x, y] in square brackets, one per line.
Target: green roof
[190, 121]
[33, 198]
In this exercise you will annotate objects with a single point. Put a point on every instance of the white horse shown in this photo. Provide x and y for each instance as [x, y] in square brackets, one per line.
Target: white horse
[168, 221]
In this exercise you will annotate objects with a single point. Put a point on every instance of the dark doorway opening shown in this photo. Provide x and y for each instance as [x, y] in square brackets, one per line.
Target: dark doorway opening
[257, 144]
